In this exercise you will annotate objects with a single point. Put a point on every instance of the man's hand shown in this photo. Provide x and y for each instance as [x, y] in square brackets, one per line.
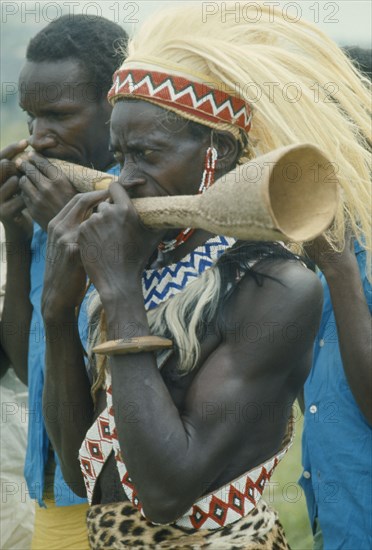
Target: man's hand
[123, 244]
[45, 190]
[65, 277]
[327, 259]
[17, 223]
[16, 220]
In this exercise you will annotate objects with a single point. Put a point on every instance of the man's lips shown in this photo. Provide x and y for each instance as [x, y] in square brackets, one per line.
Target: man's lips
[54, 150]
[135, 188]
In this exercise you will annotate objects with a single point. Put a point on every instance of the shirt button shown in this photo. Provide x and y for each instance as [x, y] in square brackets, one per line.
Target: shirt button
[321, 343]
[313, 409]
[306, 474]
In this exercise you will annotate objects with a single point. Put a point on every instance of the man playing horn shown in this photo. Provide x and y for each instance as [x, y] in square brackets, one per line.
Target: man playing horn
[63, 86]
[187, 436]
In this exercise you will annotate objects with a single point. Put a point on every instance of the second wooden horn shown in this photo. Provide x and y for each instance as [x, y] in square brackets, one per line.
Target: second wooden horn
[289, 194]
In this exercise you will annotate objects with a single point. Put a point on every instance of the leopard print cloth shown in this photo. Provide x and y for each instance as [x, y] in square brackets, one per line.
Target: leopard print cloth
[121, 526]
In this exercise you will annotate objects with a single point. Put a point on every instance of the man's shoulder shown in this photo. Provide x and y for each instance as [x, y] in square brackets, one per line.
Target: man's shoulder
[277, 320]
[288, 281]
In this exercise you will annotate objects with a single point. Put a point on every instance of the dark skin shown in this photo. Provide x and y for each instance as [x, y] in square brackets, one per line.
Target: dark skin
[353, 318]
[4, 363]
[18, 233]
[65, 122]
[192, 449]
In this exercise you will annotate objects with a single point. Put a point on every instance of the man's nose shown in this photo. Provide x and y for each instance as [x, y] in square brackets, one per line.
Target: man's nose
[42, 136]
[129, 170]
[130, 176]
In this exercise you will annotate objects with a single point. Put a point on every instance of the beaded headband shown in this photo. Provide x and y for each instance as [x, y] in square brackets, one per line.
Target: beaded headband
[195, 100]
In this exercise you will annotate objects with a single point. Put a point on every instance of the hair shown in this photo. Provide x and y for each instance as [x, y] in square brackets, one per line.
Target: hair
[96, 43]
[361, 58]
[302, 88]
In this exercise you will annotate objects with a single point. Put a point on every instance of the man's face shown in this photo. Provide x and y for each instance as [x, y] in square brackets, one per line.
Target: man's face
[157, 152]
[65, 118]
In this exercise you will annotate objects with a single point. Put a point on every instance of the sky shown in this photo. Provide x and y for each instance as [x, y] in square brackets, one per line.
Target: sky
[346, 21]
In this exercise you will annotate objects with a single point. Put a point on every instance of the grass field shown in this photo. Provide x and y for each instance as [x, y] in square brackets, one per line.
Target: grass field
[286, 496]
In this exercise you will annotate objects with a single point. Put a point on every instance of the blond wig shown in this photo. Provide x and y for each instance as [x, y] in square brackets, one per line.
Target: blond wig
[301, 88]
[299, 83]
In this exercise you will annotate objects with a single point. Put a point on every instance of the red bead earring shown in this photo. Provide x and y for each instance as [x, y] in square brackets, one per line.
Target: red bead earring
[207, 180]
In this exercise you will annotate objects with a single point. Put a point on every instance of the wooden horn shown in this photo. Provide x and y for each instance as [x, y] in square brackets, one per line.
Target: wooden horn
[289, 194]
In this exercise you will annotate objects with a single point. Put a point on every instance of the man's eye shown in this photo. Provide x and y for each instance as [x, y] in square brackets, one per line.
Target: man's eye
[144, 153]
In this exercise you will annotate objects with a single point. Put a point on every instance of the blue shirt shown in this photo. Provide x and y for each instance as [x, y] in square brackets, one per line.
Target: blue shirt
[38, 441]
[337, 440]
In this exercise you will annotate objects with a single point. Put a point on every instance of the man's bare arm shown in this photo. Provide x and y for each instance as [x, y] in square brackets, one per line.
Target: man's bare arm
[67, 403]
[189, 448]
[17, 223]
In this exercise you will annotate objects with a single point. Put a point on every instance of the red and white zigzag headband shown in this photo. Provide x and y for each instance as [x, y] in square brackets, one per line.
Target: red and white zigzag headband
[177, 92]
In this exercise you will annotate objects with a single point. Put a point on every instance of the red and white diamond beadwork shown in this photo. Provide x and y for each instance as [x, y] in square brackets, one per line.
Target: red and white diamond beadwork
[193, 98]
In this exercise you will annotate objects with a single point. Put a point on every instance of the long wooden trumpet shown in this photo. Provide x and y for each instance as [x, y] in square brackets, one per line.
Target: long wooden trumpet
[289, 194]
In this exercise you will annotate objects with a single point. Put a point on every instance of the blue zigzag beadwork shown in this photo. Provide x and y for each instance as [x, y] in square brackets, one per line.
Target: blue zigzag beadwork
[159, 285]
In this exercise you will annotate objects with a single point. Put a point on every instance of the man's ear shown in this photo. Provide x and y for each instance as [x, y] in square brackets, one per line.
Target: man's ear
[228, 150]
